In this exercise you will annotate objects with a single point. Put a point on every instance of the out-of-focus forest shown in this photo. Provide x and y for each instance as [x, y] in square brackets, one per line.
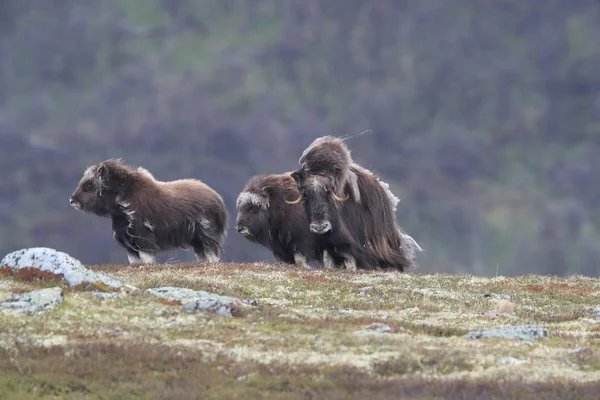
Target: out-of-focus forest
[485, 115]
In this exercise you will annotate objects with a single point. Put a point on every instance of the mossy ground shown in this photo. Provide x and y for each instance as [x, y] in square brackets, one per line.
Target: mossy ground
[308, 338]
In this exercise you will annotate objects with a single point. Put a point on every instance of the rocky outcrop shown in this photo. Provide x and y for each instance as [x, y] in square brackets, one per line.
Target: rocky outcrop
[43, 299]
[58, 264]
[193, 300]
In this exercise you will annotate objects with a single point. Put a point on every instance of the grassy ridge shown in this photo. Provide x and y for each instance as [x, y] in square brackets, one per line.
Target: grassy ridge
[312, 336]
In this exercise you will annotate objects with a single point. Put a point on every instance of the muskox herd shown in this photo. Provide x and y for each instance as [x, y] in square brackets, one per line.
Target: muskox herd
[329, 211]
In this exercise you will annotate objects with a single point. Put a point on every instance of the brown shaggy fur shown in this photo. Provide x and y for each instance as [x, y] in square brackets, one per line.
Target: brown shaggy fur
[362, 231]
[150, 216]
[329, 156]
[263, 217]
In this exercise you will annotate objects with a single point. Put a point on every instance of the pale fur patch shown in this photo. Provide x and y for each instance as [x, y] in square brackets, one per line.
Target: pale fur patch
[205, 223]
[149, 225]
[128, 212]
[147, 258]
[89, 173]
[410, 245]
[393, 199]
[251, 198]
[314, 182]
[146, 173]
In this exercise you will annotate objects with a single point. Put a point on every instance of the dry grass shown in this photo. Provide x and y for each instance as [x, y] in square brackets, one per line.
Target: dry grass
[308, 338]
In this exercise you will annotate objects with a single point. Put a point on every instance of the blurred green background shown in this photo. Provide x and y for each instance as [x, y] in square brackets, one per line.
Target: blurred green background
[485, 115]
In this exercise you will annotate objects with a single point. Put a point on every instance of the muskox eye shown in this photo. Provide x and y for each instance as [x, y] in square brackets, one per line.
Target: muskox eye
[88, 186]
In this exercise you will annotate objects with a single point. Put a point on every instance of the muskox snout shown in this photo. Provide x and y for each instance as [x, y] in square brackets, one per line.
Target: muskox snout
[320, 228]
[74, 203]
[242, 230]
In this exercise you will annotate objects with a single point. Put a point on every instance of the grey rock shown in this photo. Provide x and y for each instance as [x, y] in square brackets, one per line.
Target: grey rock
[43, 299]
[58, 263]
[511, 361]
[341, 309]
[105, 296]
[366, 288]
[213, 306]
[194, 300]
[411, 310]
[375, 328]
[527, 333]
[498, 315]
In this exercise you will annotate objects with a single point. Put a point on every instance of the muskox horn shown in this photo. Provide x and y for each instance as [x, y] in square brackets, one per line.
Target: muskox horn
[340, 199]
[298, 200]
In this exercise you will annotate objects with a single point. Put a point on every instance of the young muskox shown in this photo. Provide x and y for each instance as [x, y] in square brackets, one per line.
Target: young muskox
[349, 209]
[264, 218]
[150, 216]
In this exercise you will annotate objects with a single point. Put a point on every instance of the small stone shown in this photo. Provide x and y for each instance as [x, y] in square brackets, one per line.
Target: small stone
[376, 328]
[366, 289]
[411, 310]
[497, 315]
[527, 333]
[340, 309]
[504, 297]
[511, 361]
[43, 299]
[209, 305]
[194, 300]
[105, 296]
[504, 306]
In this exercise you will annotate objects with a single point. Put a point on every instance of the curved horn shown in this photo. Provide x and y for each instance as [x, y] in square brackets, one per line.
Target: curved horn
[340, 199]
[298, 200]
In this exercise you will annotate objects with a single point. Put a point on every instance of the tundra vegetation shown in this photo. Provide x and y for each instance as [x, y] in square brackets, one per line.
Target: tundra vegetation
[314, 334]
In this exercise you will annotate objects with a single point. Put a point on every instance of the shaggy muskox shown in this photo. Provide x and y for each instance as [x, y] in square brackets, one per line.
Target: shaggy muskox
[264, 218]
[350, 210]
[150, 216]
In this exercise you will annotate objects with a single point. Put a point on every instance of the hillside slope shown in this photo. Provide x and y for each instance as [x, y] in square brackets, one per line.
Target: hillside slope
[310, 334]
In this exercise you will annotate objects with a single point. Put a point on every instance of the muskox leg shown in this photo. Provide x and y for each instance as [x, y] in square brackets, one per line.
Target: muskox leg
[328, 262]
[207, 256]
[206, 249]
[350, 263]
[133, 258]
[301, 261]
[147, 258]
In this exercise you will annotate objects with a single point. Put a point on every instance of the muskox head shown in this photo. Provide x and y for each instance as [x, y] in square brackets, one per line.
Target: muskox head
[319, 199]
[99, 187]
[252, 215]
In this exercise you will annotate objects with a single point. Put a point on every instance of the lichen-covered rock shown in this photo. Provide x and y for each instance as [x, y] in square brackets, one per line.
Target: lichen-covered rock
[43, 299]
[57, 263]
[200, 300]
[214, 306]
[376, 328]
[527, 333]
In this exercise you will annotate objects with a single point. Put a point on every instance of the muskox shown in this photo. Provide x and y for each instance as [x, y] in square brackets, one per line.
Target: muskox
[349, 209]
[150, 216]
[265, 219]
